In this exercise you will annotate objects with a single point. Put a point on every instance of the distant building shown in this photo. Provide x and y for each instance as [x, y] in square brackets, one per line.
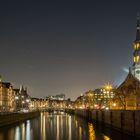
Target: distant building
[38, 104]
[103, 96]
[22, 99]
[59, 97]
[80, 102]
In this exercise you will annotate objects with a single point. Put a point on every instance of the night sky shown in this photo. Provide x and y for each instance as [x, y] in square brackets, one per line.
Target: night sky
[66, 47]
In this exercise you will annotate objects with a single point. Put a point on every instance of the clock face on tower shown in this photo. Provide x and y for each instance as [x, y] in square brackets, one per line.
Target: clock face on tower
[138, 71]
[137, 74]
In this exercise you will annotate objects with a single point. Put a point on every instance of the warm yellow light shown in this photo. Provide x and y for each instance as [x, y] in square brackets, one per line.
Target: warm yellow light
[135, 46]
[103, 107]
[108, 87]
[137, 58]
[134, 59]
[91, 132]
[106, 138]
[95, 105]
[138, 46]
[107, 108]
[114, 104]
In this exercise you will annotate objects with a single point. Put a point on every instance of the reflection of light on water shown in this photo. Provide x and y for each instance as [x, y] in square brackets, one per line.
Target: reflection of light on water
[69, 127]
[28, 130]
[57, 125]
[41, 122]
[106, 137]
[80, 132]
[1, 136]
[61, 121]
[91, 132]
[11, 134]
[76, 123]
[17, 133]
[44, 128]
[23, 131]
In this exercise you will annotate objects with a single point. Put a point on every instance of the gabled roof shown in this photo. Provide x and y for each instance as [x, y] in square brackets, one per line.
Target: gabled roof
[129, 82]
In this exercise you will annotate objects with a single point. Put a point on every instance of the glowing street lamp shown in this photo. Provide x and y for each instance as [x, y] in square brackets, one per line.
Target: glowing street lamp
[23, 102]
[107, 108]
[114, 104]
[108, 87]
[27, 100]
[16, 97]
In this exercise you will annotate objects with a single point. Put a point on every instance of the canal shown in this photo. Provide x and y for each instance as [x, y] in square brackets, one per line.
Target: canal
[59, 126]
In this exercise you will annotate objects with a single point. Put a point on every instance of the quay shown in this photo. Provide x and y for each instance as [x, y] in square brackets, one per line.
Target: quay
[12, 118]
[126, 121]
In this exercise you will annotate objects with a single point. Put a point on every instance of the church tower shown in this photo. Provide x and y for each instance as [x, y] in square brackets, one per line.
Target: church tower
[136, 55]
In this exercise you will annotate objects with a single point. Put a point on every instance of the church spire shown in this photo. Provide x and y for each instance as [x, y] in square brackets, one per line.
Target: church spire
[136, 54]
[138, 29]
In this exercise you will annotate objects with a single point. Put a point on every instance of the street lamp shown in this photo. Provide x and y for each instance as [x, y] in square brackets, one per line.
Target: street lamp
[114, 104]
[16, 97]
[27, 100]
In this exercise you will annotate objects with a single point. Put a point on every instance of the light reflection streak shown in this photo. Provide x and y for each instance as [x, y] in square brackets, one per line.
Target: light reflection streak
[61, 125]
[41, 124]
[80, 132]
[17, 133]
[11, 133]
[57, 125]
[28, 130]
[106, 137]
[91, 132]
[1, 136]
[23, 131]
[44, 128]
[76, 123]
[69, 127]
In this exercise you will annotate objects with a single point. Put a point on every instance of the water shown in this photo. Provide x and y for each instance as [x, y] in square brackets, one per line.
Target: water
[59, 126]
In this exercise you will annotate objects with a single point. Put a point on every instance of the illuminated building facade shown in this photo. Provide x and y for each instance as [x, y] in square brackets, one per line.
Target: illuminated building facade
[103, 96]
[38, 104]
[7, 97]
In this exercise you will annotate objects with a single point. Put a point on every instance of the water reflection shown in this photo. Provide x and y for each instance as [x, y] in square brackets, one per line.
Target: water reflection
[58, 126]
[106, 137]
[17, 133]
[91, 131]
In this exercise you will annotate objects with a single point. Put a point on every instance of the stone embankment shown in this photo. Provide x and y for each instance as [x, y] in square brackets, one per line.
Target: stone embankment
[124, 120]
[11, 118]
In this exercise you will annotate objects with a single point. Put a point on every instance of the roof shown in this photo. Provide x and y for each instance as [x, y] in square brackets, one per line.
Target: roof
[130, 83]
[6, 84]
[17, 90]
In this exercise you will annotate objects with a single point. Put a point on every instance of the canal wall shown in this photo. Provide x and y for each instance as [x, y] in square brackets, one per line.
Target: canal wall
[7, 119]
[123, 120]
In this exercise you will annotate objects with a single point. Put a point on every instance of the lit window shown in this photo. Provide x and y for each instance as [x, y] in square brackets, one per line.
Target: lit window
[137, 58]
[135, 46]
[134, 59]
[138, 46]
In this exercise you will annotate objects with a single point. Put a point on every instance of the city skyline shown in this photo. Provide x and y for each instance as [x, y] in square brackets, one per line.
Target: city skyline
[66, 47]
